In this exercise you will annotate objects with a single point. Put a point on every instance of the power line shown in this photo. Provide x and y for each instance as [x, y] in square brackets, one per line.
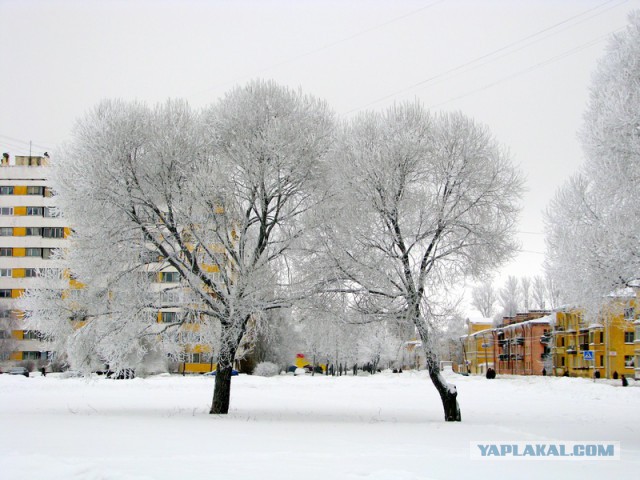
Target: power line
[458, 68]
[531, 251]
[325, 47]
[531, 68]
[23, 142]
[461, 69]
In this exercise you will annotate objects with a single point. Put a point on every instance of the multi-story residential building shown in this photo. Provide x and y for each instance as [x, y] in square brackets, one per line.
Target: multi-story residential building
[611, 341]
[523, 344]
[30, 229]
[520, 345]
[478, 346]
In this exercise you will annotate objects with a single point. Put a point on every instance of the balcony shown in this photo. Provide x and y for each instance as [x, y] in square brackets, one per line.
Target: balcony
[517, 341]
[571, 349]
[545, 339]
[584, 346]
[545, 356]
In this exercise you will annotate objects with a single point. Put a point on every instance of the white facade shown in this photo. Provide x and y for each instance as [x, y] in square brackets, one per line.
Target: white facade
[30, 230]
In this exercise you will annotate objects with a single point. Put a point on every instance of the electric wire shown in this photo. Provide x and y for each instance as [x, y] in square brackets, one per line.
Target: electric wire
[460, 68]
[324, 47]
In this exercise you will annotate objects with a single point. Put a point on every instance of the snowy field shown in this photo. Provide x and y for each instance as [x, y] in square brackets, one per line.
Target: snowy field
[387, 426]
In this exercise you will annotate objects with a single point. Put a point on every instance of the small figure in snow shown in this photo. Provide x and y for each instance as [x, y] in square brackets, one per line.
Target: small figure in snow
[624, 381]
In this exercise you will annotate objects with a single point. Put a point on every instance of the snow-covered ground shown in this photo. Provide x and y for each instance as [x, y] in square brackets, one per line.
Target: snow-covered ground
[387, 426]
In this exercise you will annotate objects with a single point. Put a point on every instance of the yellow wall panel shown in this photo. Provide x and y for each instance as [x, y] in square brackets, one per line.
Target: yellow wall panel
[19, 231]
[67, 232]
[200, 348]
[210, 268]
[76, 284]
[17, 292]
[197, 367]
[18, 273]
[19, 210]
[20, 190]
[17, 335]
[16, 356]
[19, 252]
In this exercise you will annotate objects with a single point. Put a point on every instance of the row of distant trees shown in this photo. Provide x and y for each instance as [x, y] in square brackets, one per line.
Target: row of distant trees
[517, 294]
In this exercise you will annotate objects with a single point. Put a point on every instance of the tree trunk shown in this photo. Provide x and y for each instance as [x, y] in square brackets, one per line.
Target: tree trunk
[448, 393]
[222, 390]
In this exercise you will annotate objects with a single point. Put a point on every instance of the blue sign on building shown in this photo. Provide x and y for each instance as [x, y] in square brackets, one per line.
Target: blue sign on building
[587, 354]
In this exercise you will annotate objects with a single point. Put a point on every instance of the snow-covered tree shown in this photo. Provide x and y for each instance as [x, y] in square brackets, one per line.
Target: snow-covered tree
[218, 196]
[430, 200]
[509, 296]
[525, 285]
[539, 292]
[593, 223]
[484, 298]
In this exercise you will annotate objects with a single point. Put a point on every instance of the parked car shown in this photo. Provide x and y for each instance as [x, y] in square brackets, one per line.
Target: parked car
[19, 371]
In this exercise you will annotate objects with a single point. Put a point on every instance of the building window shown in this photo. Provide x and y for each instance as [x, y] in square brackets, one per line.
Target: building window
[562, 361]
[5, 293]
[30, 272]
[35, 190]
[34, 211]
[31, 335]
[5, 313]
[33, 252]
[6, 252]
[46, 252]
[6, 190]
[169, 277]
[629, 337]
[601, 362]
[601, 337]
[6, 211]
[628, 361]
[6, 231]
[33, 231]
[5, 272]
[32, 355]
[51, 212]
[169, 317]
[629, 313]
[53, 232]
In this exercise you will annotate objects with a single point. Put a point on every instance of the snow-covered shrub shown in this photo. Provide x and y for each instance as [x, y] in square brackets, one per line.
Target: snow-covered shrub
[266, 369]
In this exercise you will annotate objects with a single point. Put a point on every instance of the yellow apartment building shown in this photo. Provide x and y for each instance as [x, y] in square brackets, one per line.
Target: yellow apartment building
[612, 341]
[478, 346]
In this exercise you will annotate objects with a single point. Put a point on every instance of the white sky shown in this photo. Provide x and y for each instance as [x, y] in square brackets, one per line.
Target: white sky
[521, 67]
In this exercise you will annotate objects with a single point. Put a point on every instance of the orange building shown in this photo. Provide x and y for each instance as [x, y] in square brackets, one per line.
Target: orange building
[522, 344]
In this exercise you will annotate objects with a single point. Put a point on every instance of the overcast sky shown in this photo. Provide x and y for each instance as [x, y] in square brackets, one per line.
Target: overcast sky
[521, 67]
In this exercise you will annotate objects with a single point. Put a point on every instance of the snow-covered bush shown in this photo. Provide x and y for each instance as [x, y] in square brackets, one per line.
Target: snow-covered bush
[266, 369]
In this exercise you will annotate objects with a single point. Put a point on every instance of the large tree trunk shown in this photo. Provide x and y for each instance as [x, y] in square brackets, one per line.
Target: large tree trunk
[229, 345]
[448, 393]
[222, 390]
